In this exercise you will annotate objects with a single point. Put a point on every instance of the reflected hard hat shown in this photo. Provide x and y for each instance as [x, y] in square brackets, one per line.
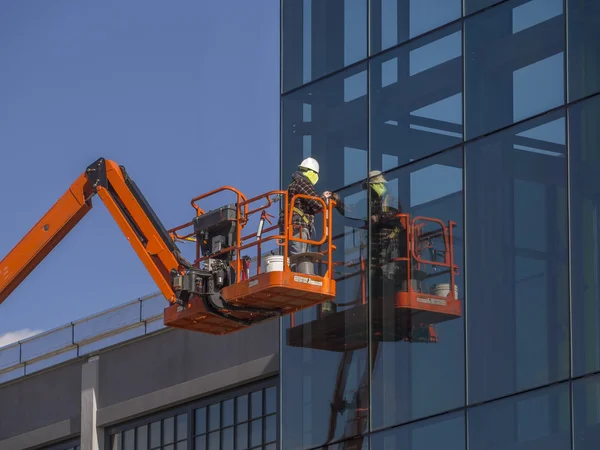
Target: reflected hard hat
[310, 163]
[375, 176]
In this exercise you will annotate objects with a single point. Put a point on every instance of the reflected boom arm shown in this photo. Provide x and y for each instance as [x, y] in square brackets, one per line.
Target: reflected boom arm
[129, 209]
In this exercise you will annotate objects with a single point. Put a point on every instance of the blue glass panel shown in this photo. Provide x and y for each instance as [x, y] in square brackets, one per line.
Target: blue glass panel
[584, 135]
[328, 121]
[514, 65]
[320, 37]
[445, 432]
[396, 21]
[418, 367]
[517, 283]
[416, 99]
[584, 48]
[586, 413]
[538, 420]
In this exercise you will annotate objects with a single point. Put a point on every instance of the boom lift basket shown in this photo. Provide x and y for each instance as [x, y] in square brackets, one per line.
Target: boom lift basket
[401, 309]
[265, 295]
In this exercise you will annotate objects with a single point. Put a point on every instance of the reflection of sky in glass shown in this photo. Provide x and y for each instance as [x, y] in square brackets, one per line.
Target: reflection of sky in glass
[436, 53]
[433, 182]
[355, 86]
[355, 31]
[535, 12]
[307, 41]
[538, 87]
[551, 132]
[425, 15]
[355, 163]
[447, 110]
[355, 34]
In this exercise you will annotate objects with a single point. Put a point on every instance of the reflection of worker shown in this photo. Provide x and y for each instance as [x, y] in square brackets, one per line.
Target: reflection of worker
[304, 210]
[388, 240]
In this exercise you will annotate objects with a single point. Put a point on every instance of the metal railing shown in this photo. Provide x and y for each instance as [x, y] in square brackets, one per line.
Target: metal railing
[137, 318]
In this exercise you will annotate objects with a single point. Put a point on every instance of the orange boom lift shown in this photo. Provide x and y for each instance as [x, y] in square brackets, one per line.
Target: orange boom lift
[215, 293]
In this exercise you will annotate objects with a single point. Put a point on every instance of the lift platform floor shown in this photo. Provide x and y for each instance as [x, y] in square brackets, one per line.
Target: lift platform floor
[286, 291]
[393, 320]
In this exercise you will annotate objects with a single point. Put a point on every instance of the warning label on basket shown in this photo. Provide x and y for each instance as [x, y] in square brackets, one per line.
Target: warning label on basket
[307, 280]
[432, 301]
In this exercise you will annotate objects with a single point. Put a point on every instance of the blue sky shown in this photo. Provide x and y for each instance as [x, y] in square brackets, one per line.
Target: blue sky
[186, 96]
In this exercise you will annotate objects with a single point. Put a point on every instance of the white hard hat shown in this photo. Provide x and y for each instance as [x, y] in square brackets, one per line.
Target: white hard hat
[375, 176]
[310, 163]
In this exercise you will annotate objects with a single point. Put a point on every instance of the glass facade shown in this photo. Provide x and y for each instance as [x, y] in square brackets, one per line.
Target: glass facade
[482, 116]
[242, 419]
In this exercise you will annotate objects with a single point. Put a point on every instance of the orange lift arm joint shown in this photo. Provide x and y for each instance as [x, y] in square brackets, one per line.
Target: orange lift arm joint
[129, 209]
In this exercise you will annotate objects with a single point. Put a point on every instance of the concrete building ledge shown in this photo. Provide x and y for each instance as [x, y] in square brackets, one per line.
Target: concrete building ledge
[56, 432]
[188, 391]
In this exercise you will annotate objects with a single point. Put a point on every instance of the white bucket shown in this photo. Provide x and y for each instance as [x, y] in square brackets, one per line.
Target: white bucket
[274, 263]
[443, 289]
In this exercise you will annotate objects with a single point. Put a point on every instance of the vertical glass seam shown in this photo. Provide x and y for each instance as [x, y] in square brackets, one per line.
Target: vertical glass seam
[566, 58]
[569, 270]
[279, 383]
[368, 249]
[465, 227]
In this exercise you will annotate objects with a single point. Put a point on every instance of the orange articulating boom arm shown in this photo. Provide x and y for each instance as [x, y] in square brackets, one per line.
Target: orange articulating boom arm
[127, 206]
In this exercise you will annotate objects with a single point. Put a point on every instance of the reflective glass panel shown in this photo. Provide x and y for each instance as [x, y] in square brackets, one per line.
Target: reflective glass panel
[586, 413]
[214, 416]
[214, 442]
[584, 48]
[472, 6]
[256, 402]
[241, 437]
[324, 349]
[129, 440]
[514, 65]
[241, 408]
[328, 121]
[155, 434]
[396, 21]
[227, 439]
[256, 435]
[445, 432]
[168, 430]
[416, 99]
[227, 412]
[584, 135]
[320, 37]
[181, 426]
[142, 438]
[200, 421]
[518, 309]
[271, 429]
[538, 420]
[417, 332]
[270, 400]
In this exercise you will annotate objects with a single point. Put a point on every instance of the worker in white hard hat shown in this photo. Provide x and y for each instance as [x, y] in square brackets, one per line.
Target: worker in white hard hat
[304, 210]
